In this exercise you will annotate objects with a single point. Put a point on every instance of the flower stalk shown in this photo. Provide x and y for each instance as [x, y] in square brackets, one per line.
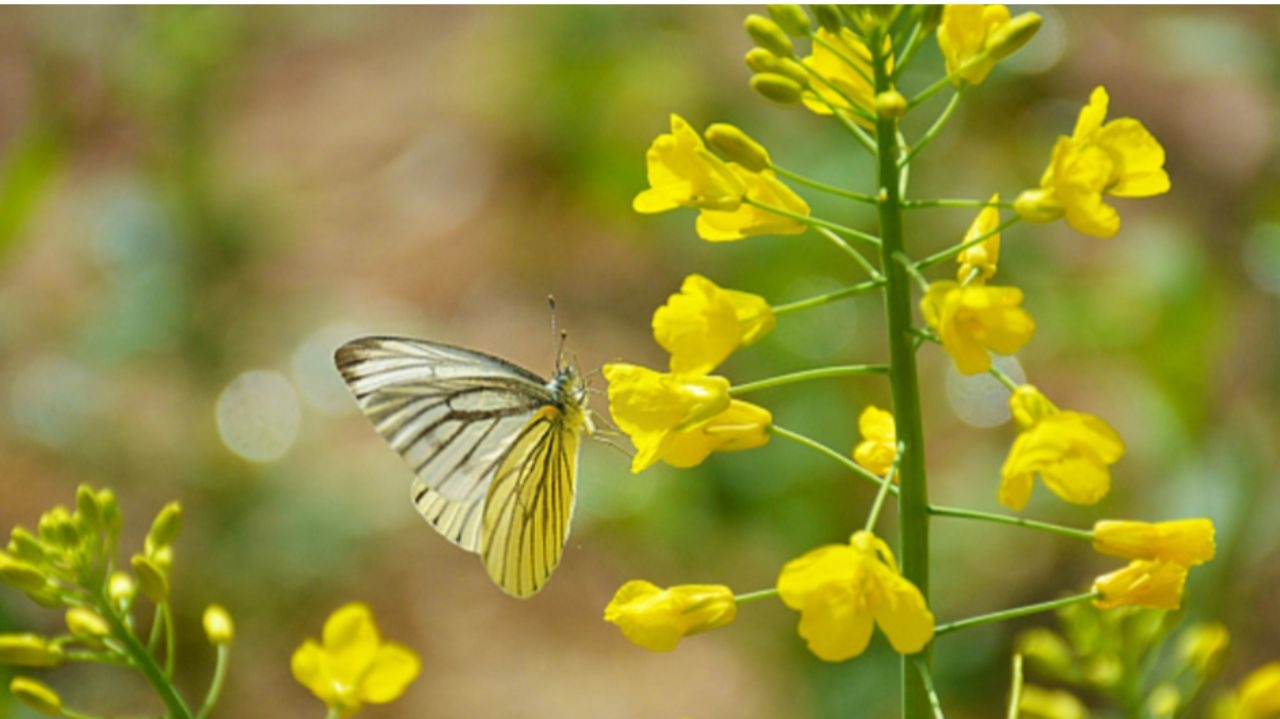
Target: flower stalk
[913, 505]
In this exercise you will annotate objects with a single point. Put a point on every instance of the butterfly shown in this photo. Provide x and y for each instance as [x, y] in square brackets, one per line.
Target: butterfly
[493, 447]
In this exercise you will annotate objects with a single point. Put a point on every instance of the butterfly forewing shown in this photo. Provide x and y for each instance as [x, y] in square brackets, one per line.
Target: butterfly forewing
[493, 447]
[451, 413]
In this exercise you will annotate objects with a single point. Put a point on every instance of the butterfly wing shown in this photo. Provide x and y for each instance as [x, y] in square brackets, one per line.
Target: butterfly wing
[530, 503]
[453, 414]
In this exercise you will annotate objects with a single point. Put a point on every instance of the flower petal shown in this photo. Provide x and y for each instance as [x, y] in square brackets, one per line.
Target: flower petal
[393, 668]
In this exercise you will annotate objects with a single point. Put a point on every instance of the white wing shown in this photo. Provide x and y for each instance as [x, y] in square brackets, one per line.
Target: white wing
[453, 414]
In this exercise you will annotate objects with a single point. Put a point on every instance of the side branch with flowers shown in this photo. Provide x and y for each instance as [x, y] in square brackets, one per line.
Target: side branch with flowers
[851, 76]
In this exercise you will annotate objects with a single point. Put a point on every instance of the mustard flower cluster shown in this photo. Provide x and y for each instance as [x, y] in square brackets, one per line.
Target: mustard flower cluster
[71, 561]
[844, 64]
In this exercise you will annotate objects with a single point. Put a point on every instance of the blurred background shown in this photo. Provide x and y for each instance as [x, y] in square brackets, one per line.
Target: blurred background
[197, 205]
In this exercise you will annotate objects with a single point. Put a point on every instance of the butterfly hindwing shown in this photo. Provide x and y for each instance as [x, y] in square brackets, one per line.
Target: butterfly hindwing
[530, 503]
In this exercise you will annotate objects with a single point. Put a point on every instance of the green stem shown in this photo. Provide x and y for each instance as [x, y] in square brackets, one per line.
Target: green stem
[951, 252]
[874, 515]
[848, 463]
[806, 375]
[332, 714]
[756, 595]
[913, 507]
[820, 300]
[927, 677]
[215, 684]
[170, 641]
[144, 660]
[941, 511]
[933, 130]
[913, 488]
[813, 221]
[1012, 613]
[1015, 692]
[933, 89]
[824, 187]
[1005, 379]
[916, 275]
[845, 247]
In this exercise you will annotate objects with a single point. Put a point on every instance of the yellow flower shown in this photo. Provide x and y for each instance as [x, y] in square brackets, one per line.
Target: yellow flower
[354, 666]
[703, 324]
[984, 256]
[1204, 646]
[683, 173]
[962, 36]
[748, 220]
[1120, 158]
[879, 446]
[218, 625]
[1144, 583]
[1184, 541]
[847, 72]
[681, 418]
[972, 320]
[1259, 694]
[1071, 451]
[657, 619]
[842, 590]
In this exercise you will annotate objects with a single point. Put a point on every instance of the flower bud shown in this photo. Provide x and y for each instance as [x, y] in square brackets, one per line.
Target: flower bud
[761, 60]
[778, 88]
[794, 70]
[165, 527]
[1204, 646]
[151, 579]
[87, 506]
[828, 17]
[1050, 704]
[55, 527]
[36, 695]
[218, 626]
[791, 18]
[931, 17]
[28, 650]
[1011, 36]
[735, 145]
[769, 36]
[86, 623]
[110, 510]
[21, 575]
[121, 587]
[657, 619]
[24, 545]
[891, 104]
[1047, 651]
[1035, 206]
[1163, 701]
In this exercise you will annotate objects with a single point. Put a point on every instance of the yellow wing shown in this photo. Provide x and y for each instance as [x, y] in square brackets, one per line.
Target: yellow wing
[530, 502]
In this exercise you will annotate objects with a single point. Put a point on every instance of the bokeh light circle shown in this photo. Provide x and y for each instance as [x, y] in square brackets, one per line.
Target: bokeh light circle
[259, 415]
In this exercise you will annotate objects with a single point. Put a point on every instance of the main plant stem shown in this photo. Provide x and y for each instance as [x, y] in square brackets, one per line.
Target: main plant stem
[913, 503]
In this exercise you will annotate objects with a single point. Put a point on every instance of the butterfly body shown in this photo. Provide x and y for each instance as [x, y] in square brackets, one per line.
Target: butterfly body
[493, 447]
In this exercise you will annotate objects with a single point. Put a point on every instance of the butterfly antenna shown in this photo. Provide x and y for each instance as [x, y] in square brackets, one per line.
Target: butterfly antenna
[557, 339]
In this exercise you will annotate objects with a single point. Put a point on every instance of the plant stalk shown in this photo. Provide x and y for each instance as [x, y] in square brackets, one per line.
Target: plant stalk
[913, 505]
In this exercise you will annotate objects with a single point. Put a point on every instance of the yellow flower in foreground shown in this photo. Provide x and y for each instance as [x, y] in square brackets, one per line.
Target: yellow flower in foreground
[972, 320]
[748, 220]
[684, 173]
[703, 324]
[1184, 541]
[681, 418]
[962, 36]
[844, 62]
[983, 257]
[842, 590]
[1259, 694]
[879, 445]
[353, 666]
[1070, 451]
[1120, 158]
[657, 619]
[1144, 583]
